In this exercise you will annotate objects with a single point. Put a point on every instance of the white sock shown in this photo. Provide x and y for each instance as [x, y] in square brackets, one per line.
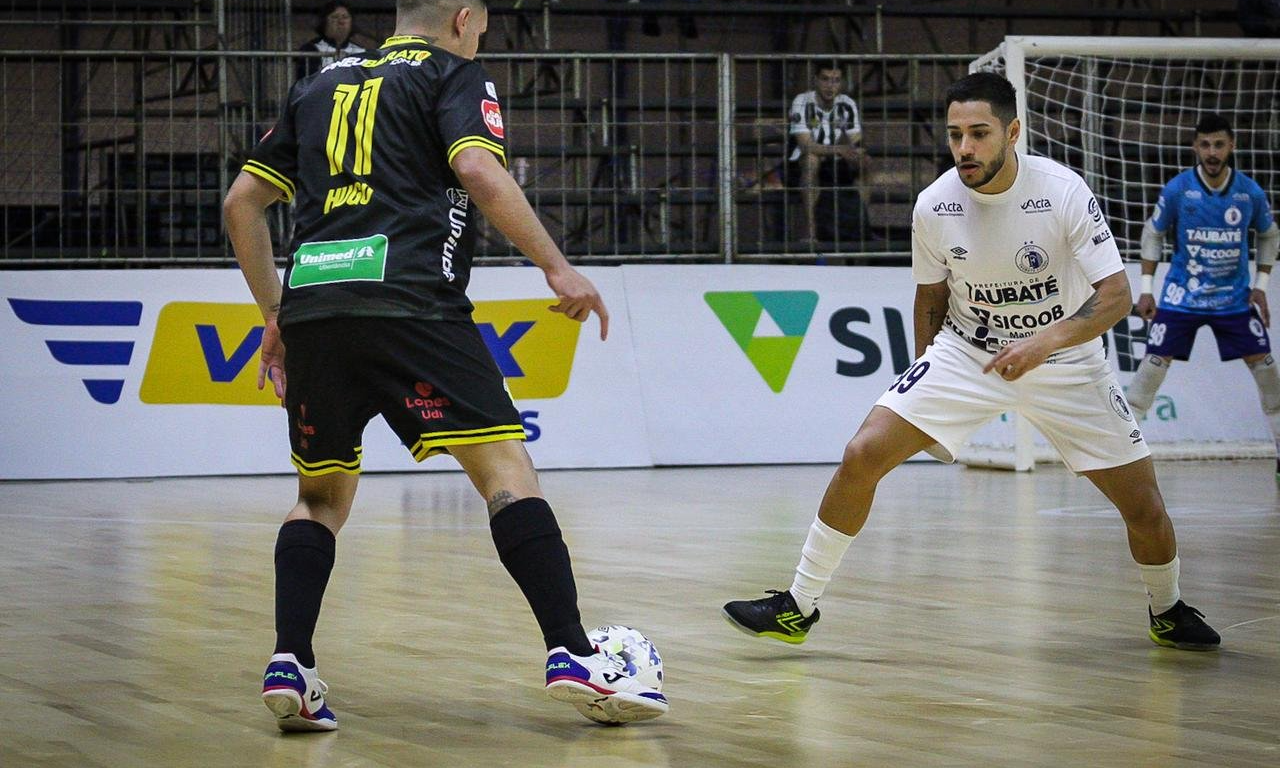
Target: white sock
[1162, 584]
[820, 557]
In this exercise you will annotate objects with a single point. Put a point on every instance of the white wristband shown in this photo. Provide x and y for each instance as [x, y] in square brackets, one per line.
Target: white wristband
[1148, 283]
[1260, 279]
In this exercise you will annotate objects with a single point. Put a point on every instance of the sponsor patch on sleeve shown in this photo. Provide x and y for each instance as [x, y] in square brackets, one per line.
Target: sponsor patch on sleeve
[491, 89]
[492, 115]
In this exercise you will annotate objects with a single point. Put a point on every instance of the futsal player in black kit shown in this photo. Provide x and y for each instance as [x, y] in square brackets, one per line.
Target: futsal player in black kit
[386, 156]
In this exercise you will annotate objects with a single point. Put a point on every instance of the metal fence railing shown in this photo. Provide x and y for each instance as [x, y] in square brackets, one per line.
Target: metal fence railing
[121, 158]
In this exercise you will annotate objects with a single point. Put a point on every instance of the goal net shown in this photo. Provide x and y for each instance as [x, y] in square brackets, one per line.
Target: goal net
[1120, 112]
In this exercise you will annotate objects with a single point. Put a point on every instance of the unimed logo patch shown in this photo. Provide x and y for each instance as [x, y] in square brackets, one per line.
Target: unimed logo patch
[769, 327]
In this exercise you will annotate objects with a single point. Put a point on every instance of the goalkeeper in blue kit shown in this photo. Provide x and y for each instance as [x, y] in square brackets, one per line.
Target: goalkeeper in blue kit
[1209, 210]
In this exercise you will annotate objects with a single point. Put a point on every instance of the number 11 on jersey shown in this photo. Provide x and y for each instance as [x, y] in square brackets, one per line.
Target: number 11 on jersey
[344, 97]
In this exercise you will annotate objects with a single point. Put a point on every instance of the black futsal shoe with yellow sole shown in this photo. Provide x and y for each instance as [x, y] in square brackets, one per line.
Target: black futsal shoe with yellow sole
[777, 617]
[1183, 627]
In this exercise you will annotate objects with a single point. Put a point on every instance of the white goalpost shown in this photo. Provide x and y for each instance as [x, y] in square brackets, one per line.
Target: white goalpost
[1119, 112]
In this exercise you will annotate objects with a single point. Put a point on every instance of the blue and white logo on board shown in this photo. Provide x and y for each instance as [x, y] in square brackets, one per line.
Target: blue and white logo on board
[111, 355]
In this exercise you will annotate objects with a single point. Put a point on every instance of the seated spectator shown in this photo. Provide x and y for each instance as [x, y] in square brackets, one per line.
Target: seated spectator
[334, 28]
[827, 158]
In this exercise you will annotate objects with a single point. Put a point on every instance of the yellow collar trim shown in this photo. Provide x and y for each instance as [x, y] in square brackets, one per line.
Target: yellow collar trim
[405, 40]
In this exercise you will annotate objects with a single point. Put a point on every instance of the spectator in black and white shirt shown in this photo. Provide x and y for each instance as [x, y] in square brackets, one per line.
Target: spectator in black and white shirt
[334, 28]
[826, 155]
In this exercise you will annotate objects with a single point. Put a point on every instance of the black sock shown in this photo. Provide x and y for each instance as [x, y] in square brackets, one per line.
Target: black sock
[304, 557]
[530, 546]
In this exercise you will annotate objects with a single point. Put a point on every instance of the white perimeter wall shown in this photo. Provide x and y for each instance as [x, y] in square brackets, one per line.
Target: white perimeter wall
[704, 365]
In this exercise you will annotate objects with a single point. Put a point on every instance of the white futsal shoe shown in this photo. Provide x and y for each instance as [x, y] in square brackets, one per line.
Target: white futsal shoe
[600, 687]
[295, 695]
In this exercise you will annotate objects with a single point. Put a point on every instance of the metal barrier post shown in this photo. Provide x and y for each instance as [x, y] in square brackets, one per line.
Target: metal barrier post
[728, 154]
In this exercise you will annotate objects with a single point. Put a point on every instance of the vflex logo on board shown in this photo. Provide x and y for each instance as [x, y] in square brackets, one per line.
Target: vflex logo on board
[769, 327]
[107, 357]
[206, 353]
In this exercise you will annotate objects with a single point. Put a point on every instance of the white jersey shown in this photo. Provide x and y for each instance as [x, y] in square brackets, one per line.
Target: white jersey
[1016, 262]
[824, 126]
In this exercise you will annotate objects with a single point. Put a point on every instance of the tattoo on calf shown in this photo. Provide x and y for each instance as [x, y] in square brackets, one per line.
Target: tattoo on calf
[500, 501]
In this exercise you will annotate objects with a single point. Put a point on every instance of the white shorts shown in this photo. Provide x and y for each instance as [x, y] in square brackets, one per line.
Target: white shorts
[1079, 407]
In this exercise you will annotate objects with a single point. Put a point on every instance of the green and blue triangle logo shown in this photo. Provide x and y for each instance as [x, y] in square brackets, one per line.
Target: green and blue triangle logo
[769, 326]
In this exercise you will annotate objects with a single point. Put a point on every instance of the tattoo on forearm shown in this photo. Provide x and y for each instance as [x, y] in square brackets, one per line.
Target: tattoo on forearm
[1087, 309]
[499, 501]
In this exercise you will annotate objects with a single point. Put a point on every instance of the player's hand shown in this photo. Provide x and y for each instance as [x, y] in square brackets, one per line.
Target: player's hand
[1146, 306]
[1259, 299]
[272, 362]
[1015, 360]
[578, 298]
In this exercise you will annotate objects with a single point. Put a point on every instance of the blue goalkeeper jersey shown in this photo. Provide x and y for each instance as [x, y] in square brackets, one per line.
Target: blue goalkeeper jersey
[1209, 273]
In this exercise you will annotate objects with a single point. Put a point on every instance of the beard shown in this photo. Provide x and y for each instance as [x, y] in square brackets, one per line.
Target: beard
[989, 170]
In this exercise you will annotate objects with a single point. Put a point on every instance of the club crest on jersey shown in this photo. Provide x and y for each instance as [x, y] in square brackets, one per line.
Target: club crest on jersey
[1119, 404]
[1031, 259]
[1232, 216]
[458, 197]
[492, 115]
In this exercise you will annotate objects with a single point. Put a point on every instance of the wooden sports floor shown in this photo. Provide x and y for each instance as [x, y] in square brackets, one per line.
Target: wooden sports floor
[981, 619]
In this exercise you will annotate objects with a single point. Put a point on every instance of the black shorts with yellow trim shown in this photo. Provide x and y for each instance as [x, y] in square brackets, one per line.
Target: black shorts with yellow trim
[433, 381]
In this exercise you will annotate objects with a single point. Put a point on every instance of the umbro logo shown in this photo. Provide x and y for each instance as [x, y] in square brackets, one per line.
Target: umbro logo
[1136, 436]
[959, 252]
[1037, 205]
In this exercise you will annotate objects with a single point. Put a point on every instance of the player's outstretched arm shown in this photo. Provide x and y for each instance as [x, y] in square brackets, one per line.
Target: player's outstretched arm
[1152, 251]
[1268, 246]
[244, 211]
[1111, 301]
[503, 203]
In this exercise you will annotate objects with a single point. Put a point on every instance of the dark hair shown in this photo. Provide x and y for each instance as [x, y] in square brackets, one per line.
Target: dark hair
[822, 64]
[1214, 122]
[322, 14]
[988, 87]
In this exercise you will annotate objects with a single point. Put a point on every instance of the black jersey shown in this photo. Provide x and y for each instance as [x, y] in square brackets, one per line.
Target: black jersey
[383, 227]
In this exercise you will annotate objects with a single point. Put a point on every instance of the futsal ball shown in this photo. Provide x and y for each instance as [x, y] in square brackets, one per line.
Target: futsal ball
[636, 651]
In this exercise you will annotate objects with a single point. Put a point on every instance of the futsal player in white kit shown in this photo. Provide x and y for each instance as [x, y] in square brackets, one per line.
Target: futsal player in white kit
[1017, 279]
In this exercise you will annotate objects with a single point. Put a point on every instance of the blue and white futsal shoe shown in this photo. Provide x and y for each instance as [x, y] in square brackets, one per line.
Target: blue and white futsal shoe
[295, 696]
[600, 687]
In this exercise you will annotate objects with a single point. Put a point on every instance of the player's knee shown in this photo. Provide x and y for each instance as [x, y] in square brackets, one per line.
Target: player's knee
[862, 460]
[322, 505]
[1145, 512]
